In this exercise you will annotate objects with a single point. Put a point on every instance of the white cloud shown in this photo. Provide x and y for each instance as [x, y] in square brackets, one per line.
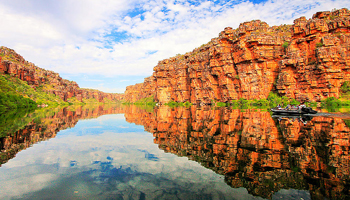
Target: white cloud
[69, 36]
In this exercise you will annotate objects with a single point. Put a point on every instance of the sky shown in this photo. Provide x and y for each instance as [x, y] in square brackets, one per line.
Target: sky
[110, 44]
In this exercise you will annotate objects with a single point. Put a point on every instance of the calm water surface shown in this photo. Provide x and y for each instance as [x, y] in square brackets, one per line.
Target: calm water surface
[128, 152]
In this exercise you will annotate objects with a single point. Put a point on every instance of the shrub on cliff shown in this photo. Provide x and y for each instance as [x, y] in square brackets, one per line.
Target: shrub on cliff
[19, 93]
[285, 45]
[319, 44]
[345, 88]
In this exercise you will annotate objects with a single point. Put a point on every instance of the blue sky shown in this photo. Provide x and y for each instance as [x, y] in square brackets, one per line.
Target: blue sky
[110, 44]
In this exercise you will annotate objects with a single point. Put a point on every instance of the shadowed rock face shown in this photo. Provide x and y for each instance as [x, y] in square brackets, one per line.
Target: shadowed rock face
[14, 64]
[251, 61]
[252, 149]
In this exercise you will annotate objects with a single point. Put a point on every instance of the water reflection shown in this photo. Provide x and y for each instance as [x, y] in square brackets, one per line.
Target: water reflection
[107, 157]
[25, 129]
[258, 152]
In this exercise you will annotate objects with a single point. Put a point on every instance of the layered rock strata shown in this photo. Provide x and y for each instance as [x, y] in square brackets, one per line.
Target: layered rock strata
[308, 61]
[15, 65]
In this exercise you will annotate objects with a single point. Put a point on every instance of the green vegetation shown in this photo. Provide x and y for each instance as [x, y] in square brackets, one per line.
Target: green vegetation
[311, 104]
[345, 93]
[345, 88]
[13, 120]
[347, 122]
[221, 104]
[17, 119]
[74, 100]
[272, 101]
[10, 101]
[145, 101]
[11, 98]
[178, 104]
[285, 45]
[16, 93]
[319, 44]
[334, 102]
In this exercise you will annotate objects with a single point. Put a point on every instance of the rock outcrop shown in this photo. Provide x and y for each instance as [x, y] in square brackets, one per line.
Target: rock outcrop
[51, 82]
[139, 91]
[308, 61]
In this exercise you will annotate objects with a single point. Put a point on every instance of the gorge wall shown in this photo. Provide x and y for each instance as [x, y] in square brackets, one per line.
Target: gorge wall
[308, 61]
[15, 65]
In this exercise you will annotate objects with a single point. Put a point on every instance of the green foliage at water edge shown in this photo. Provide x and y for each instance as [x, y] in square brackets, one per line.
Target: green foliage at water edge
[145, 101]
[178, 104]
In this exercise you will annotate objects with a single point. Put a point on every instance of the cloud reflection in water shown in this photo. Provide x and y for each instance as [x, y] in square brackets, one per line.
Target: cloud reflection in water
[100, 159]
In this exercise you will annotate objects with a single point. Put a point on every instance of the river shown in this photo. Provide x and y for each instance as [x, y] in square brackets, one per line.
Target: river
[131, 152]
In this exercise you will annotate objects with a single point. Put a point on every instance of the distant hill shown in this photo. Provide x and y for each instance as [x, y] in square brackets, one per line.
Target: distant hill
[21, 82]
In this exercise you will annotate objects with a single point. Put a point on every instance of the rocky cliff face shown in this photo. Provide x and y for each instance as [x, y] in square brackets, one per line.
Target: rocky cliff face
[308, 61]
[14, 64]
[139, 91]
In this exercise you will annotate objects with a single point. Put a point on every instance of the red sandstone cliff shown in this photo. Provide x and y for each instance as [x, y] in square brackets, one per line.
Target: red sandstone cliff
[308, 61]
[14, 64]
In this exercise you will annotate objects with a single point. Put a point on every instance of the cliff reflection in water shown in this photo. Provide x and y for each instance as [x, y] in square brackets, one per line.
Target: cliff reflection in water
[251, 148]
[254, 150]
[44, 124]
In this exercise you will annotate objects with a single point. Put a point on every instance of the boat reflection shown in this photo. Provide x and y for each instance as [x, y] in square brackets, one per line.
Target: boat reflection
[302, 118]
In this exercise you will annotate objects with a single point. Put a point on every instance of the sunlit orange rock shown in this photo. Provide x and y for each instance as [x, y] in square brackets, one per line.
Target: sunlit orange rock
[308, 61]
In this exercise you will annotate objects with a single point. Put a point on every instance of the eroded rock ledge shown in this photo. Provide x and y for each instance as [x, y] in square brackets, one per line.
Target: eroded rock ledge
[308, 61]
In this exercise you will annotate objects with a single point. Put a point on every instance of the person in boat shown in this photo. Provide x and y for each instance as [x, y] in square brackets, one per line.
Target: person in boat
[300, 106]
[288, 107]
[279, 107]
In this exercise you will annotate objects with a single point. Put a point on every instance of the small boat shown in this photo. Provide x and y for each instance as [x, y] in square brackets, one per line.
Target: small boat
[302, 111]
